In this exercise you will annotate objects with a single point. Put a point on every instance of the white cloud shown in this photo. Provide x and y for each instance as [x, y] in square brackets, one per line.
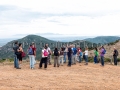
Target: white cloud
[82, 17]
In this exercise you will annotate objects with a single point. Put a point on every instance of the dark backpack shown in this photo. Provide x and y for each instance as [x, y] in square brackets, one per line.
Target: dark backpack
[116, 53]
[56, 53]
[30, 51]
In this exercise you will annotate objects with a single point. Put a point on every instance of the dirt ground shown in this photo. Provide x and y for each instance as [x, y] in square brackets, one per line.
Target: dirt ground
[76, 77]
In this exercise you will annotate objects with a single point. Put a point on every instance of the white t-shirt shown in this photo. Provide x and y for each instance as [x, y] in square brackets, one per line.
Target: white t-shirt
[43, 53]
[48, 49]
[86, 52]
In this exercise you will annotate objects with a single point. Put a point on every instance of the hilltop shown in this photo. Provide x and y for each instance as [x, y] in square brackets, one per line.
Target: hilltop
[103, 39]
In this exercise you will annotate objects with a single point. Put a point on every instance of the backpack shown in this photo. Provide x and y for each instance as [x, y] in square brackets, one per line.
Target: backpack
[116, 53]
[45, 53]
[30, 51]
[74, 51]
[81, 54]
[104, 51]
[56, 53]
[23, 54]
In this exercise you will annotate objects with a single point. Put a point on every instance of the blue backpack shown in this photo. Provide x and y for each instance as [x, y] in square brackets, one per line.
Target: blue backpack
[104, 51]
[81, 53]
[30, 51]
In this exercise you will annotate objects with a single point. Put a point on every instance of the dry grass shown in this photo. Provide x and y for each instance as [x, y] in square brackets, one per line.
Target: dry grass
[76, 77]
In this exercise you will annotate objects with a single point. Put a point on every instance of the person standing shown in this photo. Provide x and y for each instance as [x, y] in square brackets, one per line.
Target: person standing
[86, 56]
[115, 54]
[65, 53]
[49, 54]
[74, 55]
[80, 54]
[31, 56]
[69, 55]
[102, 53]
[56, 56]
[61, 56]
[34, 50]
[16, 53]
[96, 55]
[44, 58]
[20, 49]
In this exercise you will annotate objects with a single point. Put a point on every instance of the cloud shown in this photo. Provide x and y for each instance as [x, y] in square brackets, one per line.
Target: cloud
[78, 17]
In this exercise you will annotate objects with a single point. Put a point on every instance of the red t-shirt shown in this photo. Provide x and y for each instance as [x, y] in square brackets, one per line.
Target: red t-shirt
[34, 49]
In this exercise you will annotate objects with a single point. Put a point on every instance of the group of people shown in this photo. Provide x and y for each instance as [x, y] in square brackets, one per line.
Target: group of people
[69, 52]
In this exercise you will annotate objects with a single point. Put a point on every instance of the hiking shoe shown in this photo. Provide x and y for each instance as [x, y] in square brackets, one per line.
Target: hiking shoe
[18, 68]
[32, 68]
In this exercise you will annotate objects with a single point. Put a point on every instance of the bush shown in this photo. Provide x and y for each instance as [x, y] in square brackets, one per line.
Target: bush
[90, 59]
[107, 59]
[118, 59]
[2, 60]
[10, 59]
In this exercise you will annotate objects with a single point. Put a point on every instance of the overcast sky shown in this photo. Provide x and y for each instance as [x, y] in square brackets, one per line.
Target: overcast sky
[81, 17]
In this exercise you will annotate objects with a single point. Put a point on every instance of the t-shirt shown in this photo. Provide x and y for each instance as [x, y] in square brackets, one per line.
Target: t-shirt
[34, 49]
[96, 53]
[43, 53]
[86, 52]
[48, 50]
[101, 51]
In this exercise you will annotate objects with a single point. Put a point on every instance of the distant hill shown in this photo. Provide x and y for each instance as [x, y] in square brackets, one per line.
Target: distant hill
[7, 52]
[103, 39]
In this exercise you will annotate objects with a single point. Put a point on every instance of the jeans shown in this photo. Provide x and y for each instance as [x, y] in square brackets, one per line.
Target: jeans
[80, 59]
[61, 59]
[16, 65]
[95, 59]
[115, 60]
[86, 58]
[64, 56]
[102, 60]
[73, 59]
[32, 61]
[43, 60]
[69, 60]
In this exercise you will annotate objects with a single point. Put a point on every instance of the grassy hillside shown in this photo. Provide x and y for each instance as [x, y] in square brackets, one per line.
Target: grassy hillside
[103, 39]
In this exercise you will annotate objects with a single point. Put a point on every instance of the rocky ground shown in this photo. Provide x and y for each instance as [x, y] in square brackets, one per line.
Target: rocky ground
[76, 77]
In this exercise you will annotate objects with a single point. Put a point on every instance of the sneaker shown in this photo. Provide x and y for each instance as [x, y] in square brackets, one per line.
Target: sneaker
[18, 68]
